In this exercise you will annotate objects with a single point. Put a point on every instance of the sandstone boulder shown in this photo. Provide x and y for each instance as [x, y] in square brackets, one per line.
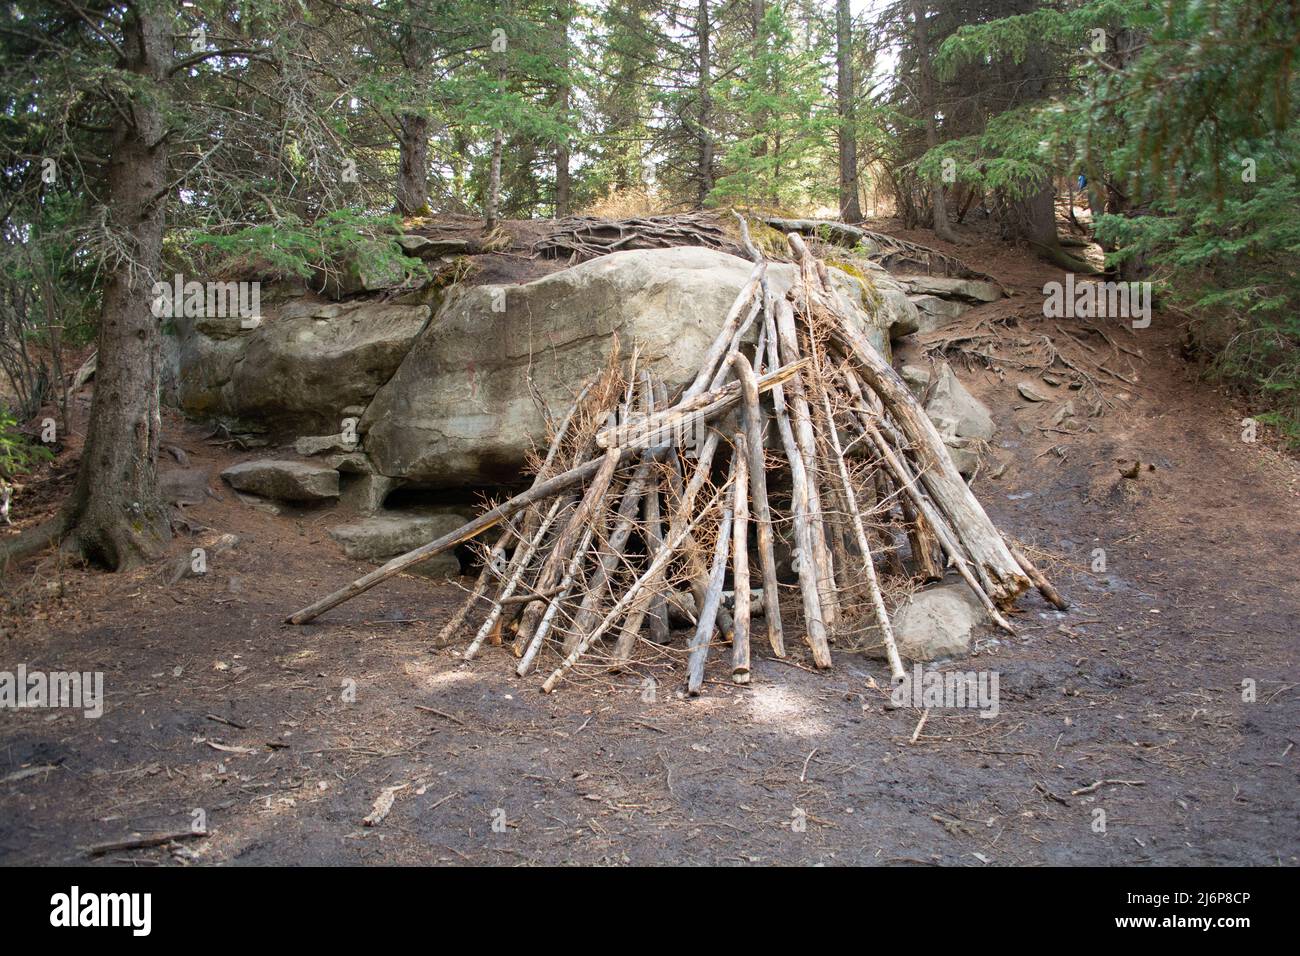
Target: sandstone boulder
[935, 313]
[882, 295]
[300, 368]
[963, 421]
[184, 486]
[459, 410]
[917, 378]
[950, 400]
[284, 480]
[1032, 393]
[388, 534]
[946, 287]
[309, 445]
[935, 623]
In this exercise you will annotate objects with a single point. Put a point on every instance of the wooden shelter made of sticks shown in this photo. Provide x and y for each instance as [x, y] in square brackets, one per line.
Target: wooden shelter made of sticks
[649, 507]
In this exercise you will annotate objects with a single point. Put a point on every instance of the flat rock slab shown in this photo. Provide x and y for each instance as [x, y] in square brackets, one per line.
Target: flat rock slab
[309, 445]
[966, 290]
[284, 480]
[185, 486]
[1032, 394]
[389, 534]
[422, 247]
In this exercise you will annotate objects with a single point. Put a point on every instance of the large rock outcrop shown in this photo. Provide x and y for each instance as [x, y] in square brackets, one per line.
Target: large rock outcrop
[300, 369]
[459, 409]
[882, 294]
[444, 399]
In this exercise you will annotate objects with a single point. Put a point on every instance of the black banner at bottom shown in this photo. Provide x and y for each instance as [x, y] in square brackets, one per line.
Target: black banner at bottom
[333, 905]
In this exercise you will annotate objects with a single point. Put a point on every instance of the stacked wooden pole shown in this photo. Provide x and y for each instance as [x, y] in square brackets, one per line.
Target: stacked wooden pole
[644, 508]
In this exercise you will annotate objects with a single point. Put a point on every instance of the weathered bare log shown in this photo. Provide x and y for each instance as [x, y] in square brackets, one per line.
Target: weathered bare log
[571, 571]
[838, 232]
[696, 569]
[651, 430]
[753, 419]
[529, 596]
[712, 598]
[519, 564]
[532, 516]
[806, 444]
[654, 533]
[890, 251]
[834, 507]
[946, 538]
[495, 554]
[681, 514]
[740, 562]
[587, 613]
[722, 344]
[868, 565]
[814, 625]
[1044, 586]
[911, 484]
[977, 534]
[923, 542]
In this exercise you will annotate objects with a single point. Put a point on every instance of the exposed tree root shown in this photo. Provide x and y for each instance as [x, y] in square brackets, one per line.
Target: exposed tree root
[114, 542]
[586, 237]
[33, 541]
[890, 251]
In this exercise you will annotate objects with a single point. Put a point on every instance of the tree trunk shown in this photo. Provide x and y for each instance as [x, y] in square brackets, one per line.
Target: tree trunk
[1122, 47]
[1034, 221]
[1031, 217]
[757, 14]
[493, 203]
[494, 182]
[850, 209]
[119, 518]
[563, 177]
[703, 27]
[413, 165]
[939, 208]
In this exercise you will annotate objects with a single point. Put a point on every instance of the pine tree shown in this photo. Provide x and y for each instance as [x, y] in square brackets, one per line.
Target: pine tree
[777, 98]
[148, 111]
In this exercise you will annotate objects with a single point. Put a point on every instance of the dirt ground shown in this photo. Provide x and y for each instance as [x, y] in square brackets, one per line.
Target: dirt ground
[1141, 682]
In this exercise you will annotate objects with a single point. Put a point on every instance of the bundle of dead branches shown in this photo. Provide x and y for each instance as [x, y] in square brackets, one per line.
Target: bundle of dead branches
[643, 506]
